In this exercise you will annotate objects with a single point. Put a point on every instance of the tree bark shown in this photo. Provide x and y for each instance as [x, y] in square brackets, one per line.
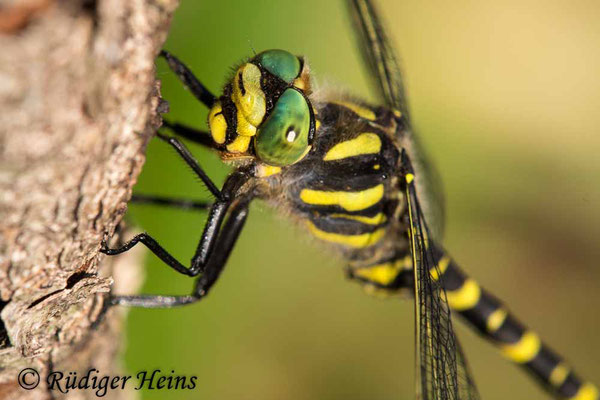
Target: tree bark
[78, 103]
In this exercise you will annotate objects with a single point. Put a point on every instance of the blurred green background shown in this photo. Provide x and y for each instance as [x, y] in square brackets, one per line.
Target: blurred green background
[506, 98]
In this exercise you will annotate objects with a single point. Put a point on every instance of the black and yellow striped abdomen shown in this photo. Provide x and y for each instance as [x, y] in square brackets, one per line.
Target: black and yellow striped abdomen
[516, 342]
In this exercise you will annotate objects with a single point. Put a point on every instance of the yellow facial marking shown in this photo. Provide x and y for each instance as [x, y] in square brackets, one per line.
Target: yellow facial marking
[350, 201]
[465, 297]
[251, 103]
[317, 124]
[239, 145]
[587, 391]
[442, 266]
[397, 113]
[361, 111]
[496, 319]
[376, 167]
[409, 178]
[383, 274]
[356, 241]
[265, 170]
[244, 127]
[558, 375]
[524, 350]
[365, 143]
[375, 220]
[217, 123]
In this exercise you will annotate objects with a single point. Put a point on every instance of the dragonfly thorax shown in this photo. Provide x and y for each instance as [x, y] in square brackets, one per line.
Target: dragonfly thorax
[265, 112]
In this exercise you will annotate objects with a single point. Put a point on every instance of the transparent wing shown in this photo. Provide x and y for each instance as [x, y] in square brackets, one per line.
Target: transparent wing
[384, 69]
[442, 371]
[379, 54]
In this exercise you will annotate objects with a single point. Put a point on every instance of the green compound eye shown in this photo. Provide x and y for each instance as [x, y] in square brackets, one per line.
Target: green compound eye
[283, 138]
[280, 63]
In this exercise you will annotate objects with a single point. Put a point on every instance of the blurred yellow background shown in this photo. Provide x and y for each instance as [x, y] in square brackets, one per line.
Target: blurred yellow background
[506, 97]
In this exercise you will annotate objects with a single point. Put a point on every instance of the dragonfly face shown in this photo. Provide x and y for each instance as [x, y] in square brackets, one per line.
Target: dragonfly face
[265, 112]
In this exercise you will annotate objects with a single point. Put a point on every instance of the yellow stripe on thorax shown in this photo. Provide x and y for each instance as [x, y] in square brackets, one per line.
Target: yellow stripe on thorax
[465, 297]
[350, 201]
[587, 391]
[375, 220]
[357, 241]
[365, 143]
[361, 111]
[524, 350]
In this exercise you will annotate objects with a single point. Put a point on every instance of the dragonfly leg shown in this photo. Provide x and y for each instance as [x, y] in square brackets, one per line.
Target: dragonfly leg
[195, 135]
[188, 79]
[182, 203]
[189, 159]
[212, 251]
[229, 235]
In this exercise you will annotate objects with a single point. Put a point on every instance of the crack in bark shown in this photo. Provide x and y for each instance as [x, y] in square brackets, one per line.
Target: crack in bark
[4, 338]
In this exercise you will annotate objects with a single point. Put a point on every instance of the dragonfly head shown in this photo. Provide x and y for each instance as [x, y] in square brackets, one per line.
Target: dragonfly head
[265, 111]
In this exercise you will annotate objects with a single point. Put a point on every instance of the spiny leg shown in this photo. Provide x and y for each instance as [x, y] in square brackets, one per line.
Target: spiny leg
[180, 203]
[227, 238]
[199, 91]
[229, 235]
[184, 204]
[195, 135]
[189, 159]
[211, 229]
[209, 235]
[189, 80]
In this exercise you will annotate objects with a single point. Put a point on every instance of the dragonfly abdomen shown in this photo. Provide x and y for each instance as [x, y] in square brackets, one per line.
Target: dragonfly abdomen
[516, 342]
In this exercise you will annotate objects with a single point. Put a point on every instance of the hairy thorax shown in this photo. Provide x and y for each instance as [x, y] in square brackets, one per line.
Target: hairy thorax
[346, 190]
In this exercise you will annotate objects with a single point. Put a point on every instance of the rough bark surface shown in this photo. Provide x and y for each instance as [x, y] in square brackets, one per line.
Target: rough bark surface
[79, 102]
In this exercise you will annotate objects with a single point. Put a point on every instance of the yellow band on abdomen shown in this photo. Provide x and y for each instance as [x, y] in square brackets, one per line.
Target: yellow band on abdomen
[524, 350]
[382, 274]
[442, 265]
[587, 391]
[465, 297]
[558, 375]
[495, 320]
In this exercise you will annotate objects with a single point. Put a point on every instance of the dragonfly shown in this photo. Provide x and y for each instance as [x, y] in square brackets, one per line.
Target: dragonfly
[354, 174]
